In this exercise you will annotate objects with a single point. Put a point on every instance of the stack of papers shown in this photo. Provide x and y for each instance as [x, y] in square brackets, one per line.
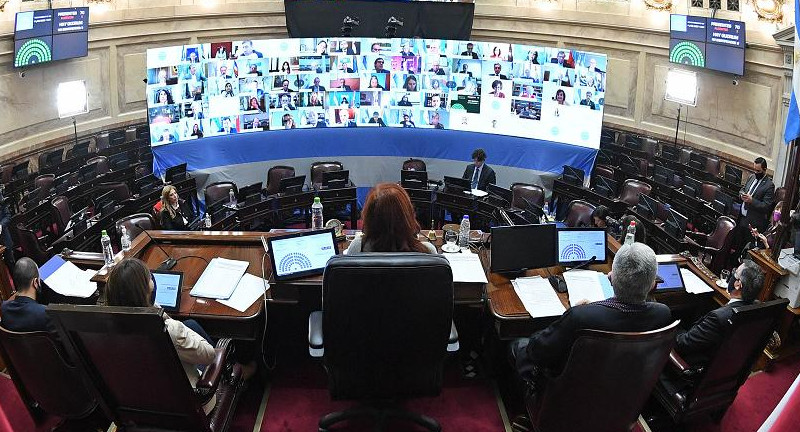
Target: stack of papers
[466, 267]
[587, 285]
[67, 279]
[693, 283]
[220, 278]
[538, 297]
[249, 289]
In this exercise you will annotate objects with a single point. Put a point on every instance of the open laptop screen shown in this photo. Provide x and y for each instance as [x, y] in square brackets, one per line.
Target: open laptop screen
[301, 254]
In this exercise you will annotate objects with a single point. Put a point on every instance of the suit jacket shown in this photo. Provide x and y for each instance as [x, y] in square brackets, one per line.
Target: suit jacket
[698, 344]
[759, 210]
[486, 177]
[317, 88]
[176, 223]
[24, 314]
[550, 347]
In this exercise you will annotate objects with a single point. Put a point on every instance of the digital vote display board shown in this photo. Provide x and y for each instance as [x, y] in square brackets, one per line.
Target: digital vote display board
[710, 43]
[52, 34]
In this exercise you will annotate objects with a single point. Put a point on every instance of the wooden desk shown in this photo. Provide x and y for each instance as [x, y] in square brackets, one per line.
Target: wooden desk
[511, 320]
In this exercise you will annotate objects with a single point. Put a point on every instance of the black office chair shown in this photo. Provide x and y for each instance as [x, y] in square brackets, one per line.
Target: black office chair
[387, 326]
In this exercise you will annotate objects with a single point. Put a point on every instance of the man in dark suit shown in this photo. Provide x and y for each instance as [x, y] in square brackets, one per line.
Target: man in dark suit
[698, 344]
[469, 52]
[497, 69]
[633, 275]
[24, 313]
[478, 172]
[316, 87]
[757, 195]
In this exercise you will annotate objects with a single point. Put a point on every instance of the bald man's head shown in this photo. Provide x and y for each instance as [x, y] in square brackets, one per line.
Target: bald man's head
[26, 276]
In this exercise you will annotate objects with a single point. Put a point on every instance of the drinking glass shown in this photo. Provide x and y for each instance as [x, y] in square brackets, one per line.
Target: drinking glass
[724, 275]
[450, 238]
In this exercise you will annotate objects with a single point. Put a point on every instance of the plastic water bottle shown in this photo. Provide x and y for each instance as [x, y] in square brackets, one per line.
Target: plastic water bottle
[546, 210]
[207, 221]
[124, 239]
[316, 215]
[463, 233]
[108, 253]
[231, 197]
[630, 237]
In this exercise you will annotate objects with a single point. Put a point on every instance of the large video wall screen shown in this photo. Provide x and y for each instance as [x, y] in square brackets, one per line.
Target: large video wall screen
[196, 91]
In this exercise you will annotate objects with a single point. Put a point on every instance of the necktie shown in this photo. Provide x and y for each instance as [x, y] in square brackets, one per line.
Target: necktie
[750, 192]
[475, 177]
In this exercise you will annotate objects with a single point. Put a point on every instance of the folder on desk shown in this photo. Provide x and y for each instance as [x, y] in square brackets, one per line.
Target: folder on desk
[219, 279]
[67, 279]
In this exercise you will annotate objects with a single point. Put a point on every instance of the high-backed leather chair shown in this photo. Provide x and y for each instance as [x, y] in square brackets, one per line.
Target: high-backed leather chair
[524, 191]
[716, 247]
[387, 325]
[61, 213]
[47, 381]
[44, 181]
[650, 147]
[133, 223]
[102, 164]
[121, 192]
[102, 141]
[274, 176]
[713, 387]
[579, 214]
[603, 171]
[140, 382]
[415, 165]
[631, 188]
[317, 168]
[30, 244]
[218, 191]
[607, 401]
[708, 191]
[712, 165]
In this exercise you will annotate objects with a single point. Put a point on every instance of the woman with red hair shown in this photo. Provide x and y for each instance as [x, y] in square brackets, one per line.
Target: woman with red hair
[389, 223]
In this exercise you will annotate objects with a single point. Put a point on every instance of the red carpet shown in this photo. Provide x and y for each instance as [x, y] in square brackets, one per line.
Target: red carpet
[756, 399]
[14, 417]
[299, 397]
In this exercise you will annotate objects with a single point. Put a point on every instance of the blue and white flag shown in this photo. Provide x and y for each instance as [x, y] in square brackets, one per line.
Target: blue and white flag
[792, 130]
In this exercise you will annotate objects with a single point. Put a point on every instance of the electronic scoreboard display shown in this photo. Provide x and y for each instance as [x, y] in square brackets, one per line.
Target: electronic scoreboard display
[52, 34]
[710, 43]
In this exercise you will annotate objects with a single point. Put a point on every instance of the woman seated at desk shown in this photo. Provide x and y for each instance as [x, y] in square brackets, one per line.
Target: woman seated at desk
[390, 224]
[131, 284]
[175, 212]
[768, 237]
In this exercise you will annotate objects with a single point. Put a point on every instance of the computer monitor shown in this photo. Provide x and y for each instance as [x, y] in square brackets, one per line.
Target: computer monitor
[675, 225]
[633, 142]
[672, 279]
[723, 202]
[522, 247]
[61, 183]
[733, 174]
[335, 179]
[175, 173]
[32, 198]
[605, 157]
[80, 149]
[647, 207]
[578, 245]
[291, 185]
[248, 192]
[691, 186]
[20, 170]
[662, 175]
[54, 157]
[301, 254]
[414, 179]
[456, 184]
[103, 203]
[605, 186]
[145, 183]
[118, 163]
[670, 153]
[87, 172]
[697, 161]
[629, 165]
[572, 175]
[499, 192]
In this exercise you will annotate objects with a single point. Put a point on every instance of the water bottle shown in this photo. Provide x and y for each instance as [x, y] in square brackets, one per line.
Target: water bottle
[546, 210]
[207, 221]
[105, 245]
[630, 237]
[463, 233]
[231, 198]
[124, 239]
[316, 215]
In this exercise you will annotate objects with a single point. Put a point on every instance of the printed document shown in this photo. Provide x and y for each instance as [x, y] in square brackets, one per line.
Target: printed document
[219, 279]
[538, 297]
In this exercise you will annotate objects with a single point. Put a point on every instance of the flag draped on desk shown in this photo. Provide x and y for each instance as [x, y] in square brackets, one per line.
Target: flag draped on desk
[792, 130]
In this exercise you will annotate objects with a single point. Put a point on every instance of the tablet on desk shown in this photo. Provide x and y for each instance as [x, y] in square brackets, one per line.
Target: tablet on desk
[671, 276]
[167, 289]
[301, 254]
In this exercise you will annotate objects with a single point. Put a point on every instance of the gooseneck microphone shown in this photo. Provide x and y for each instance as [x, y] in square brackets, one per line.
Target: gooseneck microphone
[168, 263]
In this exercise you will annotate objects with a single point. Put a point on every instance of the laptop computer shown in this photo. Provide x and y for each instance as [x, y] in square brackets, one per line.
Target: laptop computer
[301, 254]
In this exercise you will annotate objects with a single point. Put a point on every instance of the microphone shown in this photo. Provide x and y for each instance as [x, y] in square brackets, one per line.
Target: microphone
[168, 263]
[506, 218]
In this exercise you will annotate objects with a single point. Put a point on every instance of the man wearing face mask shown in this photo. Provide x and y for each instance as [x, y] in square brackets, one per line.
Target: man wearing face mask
[757, 195]
[24, 313]
[698, 344]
